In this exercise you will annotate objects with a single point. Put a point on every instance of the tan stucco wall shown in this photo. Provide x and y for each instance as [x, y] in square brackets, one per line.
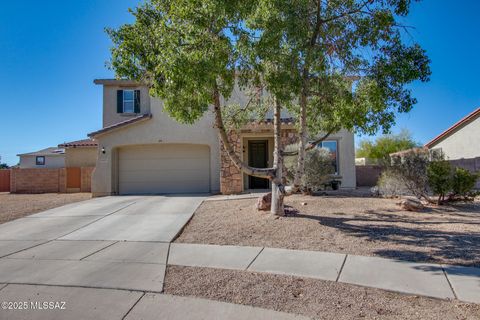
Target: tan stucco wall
[110, 115]
[346, 154]
[57, 161]
[81, 157]
[160, 129]
[163, 129]
[346, 157]
[464, 143]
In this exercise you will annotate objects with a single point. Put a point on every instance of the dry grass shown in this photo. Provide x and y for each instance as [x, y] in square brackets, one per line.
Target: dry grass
[310, 297]
[14, 206]
[356, 225]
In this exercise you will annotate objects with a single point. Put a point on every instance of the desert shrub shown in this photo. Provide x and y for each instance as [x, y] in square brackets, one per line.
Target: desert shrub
[440, 178]
[390, 184]
[411, 170]
[318, 167]
[463, 182]
[419, 173]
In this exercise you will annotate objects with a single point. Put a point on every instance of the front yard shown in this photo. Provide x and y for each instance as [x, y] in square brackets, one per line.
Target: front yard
[14, 206]
[355, 225]
[317, 299]
[345, 224]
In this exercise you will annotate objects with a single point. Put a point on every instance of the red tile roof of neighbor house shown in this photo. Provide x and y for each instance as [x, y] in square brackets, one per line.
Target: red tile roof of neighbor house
[79, 143]
[121, 124]
[467, 119]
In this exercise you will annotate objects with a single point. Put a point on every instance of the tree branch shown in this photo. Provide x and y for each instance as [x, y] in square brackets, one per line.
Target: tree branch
[311, 144]
[257, 172]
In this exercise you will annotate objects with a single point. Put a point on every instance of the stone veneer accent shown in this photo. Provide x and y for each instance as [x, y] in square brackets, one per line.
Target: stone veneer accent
[231, 178]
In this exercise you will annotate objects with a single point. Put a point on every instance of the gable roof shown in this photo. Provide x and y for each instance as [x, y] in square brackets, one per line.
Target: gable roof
[51, 151]
[79, 143]
[457, 126]
[117, 82]
[122, 124]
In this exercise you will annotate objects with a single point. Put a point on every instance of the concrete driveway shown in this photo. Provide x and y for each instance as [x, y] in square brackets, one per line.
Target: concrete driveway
[103, 244]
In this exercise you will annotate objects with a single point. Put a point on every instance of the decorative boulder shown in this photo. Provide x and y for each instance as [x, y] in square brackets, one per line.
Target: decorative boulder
[264, 203]
[411, 205]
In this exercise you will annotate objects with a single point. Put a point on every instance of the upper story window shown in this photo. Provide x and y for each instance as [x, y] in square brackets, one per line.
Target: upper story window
[128, 101]
[332, 147]
[40, 160]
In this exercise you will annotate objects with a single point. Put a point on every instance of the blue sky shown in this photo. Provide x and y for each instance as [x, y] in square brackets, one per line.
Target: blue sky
[50, 52]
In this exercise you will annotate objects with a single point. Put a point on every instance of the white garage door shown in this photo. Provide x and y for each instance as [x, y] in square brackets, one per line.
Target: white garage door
[169, 168]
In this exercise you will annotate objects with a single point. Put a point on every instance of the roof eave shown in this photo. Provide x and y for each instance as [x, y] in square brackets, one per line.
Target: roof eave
[464, 121]
[117, 82]
[120, 125]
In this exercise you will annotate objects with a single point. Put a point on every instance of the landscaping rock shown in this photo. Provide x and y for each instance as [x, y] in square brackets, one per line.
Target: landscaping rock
[411, 205]
[264, 203]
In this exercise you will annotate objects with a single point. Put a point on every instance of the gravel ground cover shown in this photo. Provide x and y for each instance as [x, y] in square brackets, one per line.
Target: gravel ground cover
[346, 224]
[310, 297]
[14, 206]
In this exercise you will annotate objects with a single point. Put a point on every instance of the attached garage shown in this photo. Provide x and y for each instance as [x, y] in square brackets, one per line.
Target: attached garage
[164, 168]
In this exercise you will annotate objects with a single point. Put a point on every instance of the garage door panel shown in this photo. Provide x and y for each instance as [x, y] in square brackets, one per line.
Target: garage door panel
[158, 164]
[167, 175]
[165, 151]
[164, 169]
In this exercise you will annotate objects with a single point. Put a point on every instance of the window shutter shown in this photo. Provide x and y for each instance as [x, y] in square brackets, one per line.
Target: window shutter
[119, 101]
[137, 102]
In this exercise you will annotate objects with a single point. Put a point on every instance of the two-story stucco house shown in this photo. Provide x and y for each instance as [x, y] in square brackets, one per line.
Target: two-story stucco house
[141, 150]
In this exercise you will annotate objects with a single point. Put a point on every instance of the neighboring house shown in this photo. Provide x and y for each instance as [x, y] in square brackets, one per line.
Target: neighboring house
[460, 141]
[141, 150]
[53, 157]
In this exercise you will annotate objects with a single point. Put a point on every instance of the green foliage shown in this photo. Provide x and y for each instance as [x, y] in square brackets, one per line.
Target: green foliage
[346, 57]
[3, 166]
[183, 49]
[383, 146]
[440, 178]
[417, 173]
[318, 167]
[463, 182]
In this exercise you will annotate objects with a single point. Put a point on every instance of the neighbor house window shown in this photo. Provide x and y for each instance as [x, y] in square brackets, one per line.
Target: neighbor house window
[128, 101]
[40, 160]
[332, 147]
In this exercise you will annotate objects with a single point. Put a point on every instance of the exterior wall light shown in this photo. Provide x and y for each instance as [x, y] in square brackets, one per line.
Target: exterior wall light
[103, 150]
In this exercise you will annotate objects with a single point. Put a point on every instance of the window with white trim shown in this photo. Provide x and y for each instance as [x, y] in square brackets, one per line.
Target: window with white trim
[128, 101]
[332, 147]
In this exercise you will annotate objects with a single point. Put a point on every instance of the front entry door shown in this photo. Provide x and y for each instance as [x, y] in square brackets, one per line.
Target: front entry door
[258, 158]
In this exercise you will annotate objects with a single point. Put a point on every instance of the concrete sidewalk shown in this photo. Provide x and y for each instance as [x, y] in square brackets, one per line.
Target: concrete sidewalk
[71, 303]
[432, 280]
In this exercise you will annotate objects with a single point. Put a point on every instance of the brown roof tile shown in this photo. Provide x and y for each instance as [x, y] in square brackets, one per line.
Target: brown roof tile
[79, 143]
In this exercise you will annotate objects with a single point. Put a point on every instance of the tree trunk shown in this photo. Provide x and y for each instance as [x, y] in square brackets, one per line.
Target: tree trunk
[257, 172]
[302, 143]
[278, 188]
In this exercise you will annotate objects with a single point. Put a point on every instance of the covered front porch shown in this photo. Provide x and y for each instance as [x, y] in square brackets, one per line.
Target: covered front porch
[254, 144]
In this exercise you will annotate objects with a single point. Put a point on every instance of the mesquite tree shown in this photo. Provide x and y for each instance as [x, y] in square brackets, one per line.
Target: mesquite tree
[186, 51]
[344, 64]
